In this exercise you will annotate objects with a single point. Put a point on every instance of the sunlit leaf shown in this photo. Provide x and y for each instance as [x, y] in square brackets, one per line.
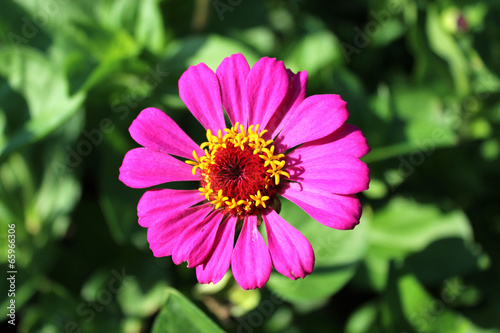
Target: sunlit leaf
[405, 227]
[45, 90]
[180, 315]
[445, 46]
[314, 52]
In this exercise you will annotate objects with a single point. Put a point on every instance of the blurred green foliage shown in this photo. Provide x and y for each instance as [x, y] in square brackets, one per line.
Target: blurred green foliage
[421, 79]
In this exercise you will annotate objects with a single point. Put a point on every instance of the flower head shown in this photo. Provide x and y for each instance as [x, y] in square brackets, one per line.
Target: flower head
[280, 143]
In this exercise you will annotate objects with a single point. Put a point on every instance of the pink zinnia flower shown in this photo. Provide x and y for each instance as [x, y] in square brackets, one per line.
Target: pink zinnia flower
[243, 169]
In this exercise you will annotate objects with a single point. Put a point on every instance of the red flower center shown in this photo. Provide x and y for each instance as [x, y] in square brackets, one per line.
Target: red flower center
[240, 173]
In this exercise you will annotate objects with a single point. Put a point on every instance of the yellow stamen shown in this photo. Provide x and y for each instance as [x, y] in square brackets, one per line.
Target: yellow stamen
[219, 200]
[259, 199]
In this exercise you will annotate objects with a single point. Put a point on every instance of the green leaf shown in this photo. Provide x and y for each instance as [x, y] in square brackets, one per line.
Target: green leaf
[53, 16]
[141, 19]
[408, 226]
[55, 308]
[337, 252]
[210, 50]
[426, 124]
[149, 28]
[387, 32]
[424, 312]
[41, 190]
[404, 227]
[362, 319]
[138, 303]
[45, 90]
[443, 44]
[314, 52]
[391, 311]
[180, 315]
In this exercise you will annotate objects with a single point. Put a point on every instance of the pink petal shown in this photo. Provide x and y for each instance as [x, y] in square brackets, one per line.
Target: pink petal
[333, 210]
[348, 140]
[218, 262]
[199, 90]
[232, 74]
[266, 87]
[164, 235]
[196, 241]
[291, 252]
[316, 117]
[296, 94]
[251, 263]
[157, 205]
[143, 167]
[333, 172]
[155, 130]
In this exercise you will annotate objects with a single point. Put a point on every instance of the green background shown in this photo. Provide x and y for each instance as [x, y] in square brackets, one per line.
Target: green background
[421, 79]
